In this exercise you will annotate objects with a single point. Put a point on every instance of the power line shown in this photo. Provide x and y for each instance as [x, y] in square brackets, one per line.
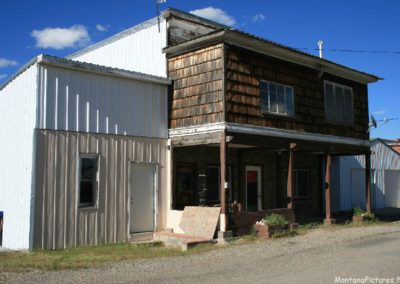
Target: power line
[354, 50]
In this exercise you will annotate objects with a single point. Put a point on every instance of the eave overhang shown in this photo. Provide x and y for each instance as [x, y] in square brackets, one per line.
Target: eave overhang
[263, 46]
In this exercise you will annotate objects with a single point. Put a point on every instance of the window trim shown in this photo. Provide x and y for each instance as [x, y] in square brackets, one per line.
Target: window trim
[334, 85]
[285, 173]
[96, 157]
[264, 112]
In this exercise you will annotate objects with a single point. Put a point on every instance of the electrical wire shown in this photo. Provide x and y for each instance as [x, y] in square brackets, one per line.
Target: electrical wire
[353, 50]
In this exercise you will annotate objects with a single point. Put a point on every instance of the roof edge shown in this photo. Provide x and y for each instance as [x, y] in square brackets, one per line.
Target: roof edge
[270, 48]
[19, 72]
[99, 69]
[144, 25]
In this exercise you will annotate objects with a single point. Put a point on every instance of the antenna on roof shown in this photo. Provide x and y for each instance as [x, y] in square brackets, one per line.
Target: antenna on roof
[158, 12]
[373, 123]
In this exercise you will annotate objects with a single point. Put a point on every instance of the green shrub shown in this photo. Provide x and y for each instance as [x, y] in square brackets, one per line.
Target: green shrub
[275, 219]
[357, 211]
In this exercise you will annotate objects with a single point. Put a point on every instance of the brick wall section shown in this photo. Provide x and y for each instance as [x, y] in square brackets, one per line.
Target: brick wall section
[196, 97]
[244, 69]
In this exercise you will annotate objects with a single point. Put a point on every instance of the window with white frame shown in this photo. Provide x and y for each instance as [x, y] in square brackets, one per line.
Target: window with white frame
[88, 180]
[301, 183]
[338, 103]
[276, 98]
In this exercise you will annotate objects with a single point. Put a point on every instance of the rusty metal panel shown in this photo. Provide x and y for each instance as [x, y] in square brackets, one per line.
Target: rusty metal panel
[59, 223]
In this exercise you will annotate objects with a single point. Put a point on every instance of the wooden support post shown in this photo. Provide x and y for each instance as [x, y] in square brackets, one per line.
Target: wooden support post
[289, 188]
[368, 180]
[328, 220]
[223, 148]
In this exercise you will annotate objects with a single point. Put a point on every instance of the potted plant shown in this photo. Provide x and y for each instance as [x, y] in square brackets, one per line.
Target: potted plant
[270, 224]
[359, 215]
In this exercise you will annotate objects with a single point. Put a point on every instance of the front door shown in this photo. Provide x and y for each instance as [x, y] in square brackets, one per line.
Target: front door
[142, 198]
[253, 188]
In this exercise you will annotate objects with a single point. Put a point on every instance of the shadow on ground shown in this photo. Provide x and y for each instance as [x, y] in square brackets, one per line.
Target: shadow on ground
[390, 214]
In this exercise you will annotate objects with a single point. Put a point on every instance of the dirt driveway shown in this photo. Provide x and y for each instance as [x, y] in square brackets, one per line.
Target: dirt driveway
[321, 256]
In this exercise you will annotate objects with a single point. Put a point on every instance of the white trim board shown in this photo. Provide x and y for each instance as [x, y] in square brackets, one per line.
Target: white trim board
[265, 131]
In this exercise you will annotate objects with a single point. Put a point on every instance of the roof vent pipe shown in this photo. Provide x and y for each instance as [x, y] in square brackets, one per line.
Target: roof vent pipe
[320, 43]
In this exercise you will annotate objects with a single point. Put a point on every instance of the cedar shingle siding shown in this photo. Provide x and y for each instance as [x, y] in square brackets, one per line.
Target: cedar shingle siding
[245, 69]
[197, 87]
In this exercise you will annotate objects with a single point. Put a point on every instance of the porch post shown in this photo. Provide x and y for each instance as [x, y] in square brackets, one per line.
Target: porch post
[289, 188]
[328, 220]
[368, 180]
[223, 218]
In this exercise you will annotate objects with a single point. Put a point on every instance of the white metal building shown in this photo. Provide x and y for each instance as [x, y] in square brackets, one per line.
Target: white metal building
[73, 135]
[385, 179]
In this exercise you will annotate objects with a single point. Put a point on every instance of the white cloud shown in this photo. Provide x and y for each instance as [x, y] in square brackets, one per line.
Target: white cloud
[379, 112]
[258, 18]
[6, 62]
[214, 14]
[2, 76]
[59, 38]
[101, 28]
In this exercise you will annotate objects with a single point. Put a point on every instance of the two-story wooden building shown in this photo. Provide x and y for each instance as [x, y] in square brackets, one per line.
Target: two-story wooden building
[253, 124]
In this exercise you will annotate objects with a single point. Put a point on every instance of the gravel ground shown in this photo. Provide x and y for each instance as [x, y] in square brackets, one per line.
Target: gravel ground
[240, 263]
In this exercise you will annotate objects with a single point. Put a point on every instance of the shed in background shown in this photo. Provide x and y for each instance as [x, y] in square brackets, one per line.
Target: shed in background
[385, 178]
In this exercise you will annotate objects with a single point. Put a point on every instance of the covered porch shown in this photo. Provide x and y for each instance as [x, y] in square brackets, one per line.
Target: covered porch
[250, 171]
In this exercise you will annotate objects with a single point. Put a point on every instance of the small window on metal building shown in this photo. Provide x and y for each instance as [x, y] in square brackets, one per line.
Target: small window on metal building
[88, 181]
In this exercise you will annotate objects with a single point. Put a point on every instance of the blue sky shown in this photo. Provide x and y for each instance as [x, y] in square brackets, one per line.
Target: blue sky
[29, 28]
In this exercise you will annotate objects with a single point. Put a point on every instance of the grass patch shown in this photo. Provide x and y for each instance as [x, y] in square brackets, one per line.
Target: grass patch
[87, 256]
[285, 233]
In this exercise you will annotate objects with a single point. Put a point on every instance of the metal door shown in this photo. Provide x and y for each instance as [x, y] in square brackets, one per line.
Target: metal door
[142, 198]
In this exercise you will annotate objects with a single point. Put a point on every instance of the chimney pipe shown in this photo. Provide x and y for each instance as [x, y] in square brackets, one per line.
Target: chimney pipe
[320, 43]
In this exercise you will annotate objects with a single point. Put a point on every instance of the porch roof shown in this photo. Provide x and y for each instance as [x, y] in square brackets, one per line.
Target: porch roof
[244, 136]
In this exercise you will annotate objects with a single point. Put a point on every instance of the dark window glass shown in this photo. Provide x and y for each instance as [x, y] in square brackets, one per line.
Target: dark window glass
[338, 104]
[184, 191]
[276, 98]
[88, 182]
[301, 183]
[213, 183]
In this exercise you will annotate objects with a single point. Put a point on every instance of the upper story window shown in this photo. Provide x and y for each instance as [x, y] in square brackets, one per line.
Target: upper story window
[88, 180]
[338, 103]
[276, 98]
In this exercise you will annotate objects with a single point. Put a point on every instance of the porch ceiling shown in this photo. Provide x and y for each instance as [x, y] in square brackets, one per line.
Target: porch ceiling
[245, 140]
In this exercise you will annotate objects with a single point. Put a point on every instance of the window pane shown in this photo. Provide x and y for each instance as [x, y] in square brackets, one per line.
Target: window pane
[348, 106]
[273, 104]
[86, 196]
[281, 103]
[264, 96]
[339, 104]
[302, 185]
[329, 102]
[212, 184]
[88, 168]
[289, 101]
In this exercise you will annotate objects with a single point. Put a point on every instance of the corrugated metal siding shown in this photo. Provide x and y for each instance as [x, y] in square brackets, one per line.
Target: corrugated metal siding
[58, 222]
[140, 51]
[383, 158]
[17, 123]
[88, 102]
